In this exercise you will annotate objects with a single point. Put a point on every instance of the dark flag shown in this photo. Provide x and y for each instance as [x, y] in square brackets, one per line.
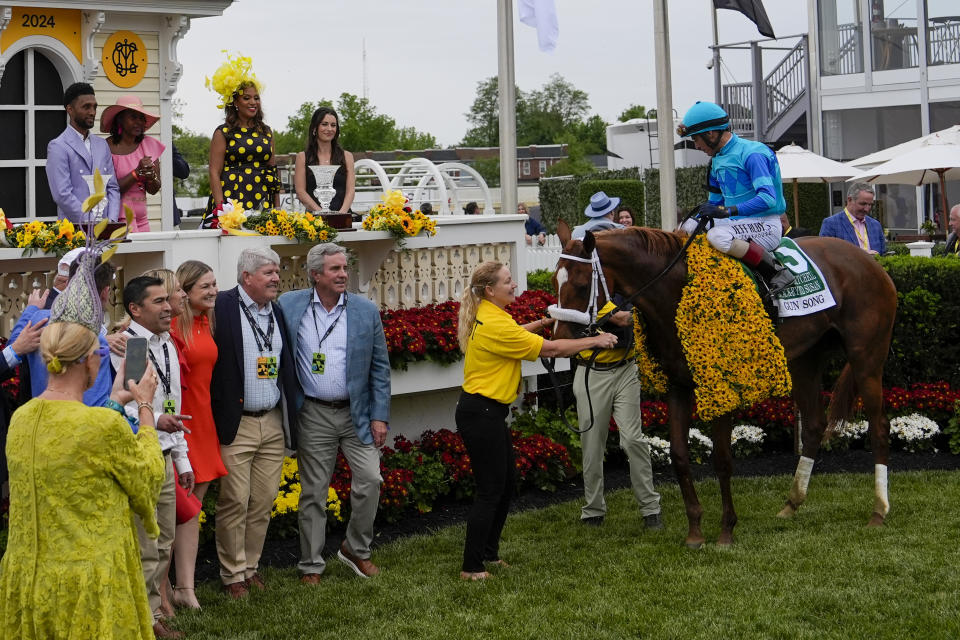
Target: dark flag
[753, 9]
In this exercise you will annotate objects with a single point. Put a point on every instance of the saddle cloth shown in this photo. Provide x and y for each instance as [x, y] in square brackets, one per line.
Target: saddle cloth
[809, 293]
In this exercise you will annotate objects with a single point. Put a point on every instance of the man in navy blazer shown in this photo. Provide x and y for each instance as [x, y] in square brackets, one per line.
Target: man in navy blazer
[252, 393]
[343, 401]
[853, 224]
[76, 153]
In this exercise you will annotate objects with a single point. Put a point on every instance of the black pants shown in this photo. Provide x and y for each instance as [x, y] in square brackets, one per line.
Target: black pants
[481, 422]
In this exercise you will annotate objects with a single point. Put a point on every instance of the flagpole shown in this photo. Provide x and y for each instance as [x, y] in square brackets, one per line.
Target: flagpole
[717, 86]
[668, 181]
[507, 91]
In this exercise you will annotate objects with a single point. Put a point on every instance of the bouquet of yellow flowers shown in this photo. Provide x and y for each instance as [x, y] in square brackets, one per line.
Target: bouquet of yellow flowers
[302, 227]
[49, 237]
[393, 215]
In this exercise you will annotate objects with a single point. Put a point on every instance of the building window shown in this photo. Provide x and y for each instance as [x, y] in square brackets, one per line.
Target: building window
[943, 32]
[31, 115]
[543, 167]
[841, 37]
[893, 35]
[526, 167]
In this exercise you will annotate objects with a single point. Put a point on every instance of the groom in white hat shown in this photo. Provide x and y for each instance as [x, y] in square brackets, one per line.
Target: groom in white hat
[600, 212]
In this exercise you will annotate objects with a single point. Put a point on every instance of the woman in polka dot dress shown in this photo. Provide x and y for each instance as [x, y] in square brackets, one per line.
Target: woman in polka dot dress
[242, 166]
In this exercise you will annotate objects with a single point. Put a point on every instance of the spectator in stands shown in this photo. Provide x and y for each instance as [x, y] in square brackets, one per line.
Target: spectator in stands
[953, 240]
[853, 224]
[471, 209]
[625, 216]
[532, 227]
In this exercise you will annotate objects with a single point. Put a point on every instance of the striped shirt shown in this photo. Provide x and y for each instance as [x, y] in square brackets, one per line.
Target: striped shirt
[259, 393]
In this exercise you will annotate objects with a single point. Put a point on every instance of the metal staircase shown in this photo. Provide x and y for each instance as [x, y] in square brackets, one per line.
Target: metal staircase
[780, 115]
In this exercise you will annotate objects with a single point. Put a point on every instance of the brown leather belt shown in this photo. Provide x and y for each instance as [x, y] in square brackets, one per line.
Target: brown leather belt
[333, 404]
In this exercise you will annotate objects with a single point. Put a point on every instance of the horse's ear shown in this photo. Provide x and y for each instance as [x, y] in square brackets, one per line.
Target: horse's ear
[589, 243]
[563, 232]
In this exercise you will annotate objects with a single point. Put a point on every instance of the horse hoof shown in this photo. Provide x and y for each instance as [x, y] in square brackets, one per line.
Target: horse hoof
[694, 544]
[725, 542]
[876, 520]
[787, 512]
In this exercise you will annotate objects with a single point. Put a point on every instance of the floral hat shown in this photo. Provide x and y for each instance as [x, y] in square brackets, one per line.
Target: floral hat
[230, 76]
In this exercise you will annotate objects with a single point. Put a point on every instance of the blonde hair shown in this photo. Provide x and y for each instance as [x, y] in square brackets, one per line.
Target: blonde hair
[482, 277]
[188, 273]
[65, 343]
[169, 278]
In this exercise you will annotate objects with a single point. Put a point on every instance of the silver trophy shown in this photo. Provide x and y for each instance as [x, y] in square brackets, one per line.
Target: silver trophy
[97, 212]
[324, 193]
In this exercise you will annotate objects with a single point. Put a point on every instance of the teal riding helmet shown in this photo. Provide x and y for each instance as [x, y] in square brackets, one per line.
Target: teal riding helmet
[701, 117]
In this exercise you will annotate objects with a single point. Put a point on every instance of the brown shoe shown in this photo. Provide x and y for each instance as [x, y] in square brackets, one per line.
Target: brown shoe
[256, 582]
[161, 630]
[236, 590]
[310, 578]
[361, 567]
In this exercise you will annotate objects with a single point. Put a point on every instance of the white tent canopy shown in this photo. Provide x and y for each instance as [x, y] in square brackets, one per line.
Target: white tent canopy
[885, 155]
[800, 165]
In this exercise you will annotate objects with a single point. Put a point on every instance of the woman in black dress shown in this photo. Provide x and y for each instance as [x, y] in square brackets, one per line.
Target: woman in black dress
[323, 147]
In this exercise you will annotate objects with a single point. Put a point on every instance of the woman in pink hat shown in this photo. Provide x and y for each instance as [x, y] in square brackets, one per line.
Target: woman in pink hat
[136, 156]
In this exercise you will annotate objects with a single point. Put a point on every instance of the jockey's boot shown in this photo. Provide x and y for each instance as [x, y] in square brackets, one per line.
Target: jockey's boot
[763, 262]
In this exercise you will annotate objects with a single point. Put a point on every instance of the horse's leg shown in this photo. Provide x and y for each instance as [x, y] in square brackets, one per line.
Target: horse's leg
[680, 403]
[807, 374]
[871, 391]
[723, 464]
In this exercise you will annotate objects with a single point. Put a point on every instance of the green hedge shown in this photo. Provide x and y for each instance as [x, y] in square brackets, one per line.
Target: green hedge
[559, 197]
[925, 340]
[814, 204]
[691, 191]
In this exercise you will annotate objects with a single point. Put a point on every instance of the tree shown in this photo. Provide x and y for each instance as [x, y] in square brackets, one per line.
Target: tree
[410, 139]
[636, 111]
[575, 164]
[484, 115]
[592, 134]
[489, 168]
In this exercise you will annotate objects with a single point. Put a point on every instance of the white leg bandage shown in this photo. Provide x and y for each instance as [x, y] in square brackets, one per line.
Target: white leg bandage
[880, 489]
[801, 480]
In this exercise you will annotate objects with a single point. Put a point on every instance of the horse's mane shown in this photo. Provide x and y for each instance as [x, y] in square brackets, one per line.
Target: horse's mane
[649, 241]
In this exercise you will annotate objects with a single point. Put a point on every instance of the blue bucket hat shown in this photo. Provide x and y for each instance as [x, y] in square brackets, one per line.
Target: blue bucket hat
[600, 205]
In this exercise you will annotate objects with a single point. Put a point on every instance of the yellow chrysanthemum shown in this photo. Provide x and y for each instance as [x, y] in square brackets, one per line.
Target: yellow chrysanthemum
[230, 76]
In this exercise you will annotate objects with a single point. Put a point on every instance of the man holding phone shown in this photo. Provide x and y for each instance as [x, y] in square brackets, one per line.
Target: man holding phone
[147, 302]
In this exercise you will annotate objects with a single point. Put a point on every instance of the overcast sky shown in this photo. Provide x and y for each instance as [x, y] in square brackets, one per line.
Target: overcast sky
[425, 57]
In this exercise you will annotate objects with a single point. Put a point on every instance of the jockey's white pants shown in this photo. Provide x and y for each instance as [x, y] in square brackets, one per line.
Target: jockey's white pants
[764, 230]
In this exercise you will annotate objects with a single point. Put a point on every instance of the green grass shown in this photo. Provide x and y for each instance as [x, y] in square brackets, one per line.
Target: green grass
[823, 574]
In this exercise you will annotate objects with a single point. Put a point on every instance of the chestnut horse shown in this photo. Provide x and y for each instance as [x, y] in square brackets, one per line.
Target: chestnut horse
[860, 323]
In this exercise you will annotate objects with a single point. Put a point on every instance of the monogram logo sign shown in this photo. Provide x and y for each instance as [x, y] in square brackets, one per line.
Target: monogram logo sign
[124, 59]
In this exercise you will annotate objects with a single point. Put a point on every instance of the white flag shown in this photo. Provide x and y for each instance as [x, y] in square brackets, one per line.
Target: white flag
[542, 15]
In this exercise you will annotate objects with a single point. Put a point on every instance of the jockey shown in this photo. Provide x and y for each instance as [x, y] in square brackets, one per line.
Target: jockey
[746, 195]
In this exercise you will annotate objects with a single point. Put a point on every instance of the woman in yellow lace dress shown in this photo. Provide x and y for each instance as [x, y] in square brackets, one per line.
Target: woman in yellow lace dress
[77, 476]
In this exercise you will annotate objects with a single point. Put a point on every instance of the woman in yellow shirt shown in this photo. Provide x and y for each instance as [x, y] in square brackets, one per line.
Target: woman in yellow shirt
[493, 345]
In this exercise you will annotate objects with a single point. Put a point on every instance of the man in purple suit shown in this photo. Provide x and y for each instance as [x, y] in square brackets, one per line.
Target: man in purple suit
[76, 153]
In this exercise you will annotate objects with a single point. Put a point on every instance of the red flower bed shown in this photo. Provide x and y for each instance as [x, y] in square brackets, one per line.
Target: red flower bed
[430, 332]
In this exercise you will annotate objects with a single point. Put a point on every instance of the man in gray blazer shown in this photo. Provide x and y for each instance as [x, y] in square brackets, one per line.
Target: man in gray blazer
[343, 398]
[76, 153]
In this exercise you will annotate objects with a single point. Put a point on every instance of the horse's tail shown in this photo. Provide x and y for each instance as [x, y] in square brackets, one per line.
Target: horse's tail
[843, 401]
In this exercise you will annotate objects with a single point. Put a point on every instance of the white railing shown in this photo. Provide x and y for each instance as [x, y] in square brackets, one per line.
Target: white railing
[544, 256]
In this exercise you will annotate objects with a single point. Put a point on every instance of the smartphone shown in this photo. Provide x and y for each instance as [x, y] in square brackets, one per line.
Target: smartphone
[135, 359]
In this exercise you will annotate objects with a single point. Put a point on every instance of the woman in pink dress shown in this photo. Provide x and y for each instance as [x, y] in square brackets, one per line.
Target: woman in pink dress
[136, 156]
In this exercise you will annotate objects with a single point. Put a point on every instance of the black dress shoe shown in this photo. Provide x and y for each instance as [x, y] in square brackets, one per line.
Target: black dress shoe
[593, 521]
[653, 522]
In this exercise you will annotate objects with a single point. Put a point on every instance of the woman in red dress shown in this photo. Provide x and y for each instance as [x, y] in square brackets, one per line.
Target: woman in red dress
[193, 331]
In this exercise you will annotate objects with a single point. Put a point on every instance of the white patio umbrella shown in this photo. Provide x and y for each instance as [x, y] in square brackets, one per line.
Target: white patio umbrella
[885, 155]
[936, 160]
[800, 165]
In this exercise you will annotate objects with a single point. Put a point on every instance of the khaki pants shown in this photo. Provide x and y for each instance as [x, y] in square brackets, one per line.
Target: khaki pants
[155, 554]
[615, 392]
[254, 462]
[320, 432]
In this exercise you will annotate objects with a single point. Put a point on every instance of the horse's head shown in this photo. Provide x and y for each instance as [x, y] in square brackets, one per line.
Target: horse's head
[574, 283]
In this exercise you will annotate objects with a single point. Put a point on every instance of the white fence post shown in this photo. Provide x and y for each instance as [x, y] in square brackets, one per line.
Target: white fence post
[544, 256]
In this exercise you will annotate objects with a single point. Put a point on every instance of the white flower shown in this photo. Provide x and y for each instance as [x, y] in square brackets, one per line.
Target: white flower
[851, 430]
[747, 433]
[916, 431]
[659, 449]
[697, 437]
